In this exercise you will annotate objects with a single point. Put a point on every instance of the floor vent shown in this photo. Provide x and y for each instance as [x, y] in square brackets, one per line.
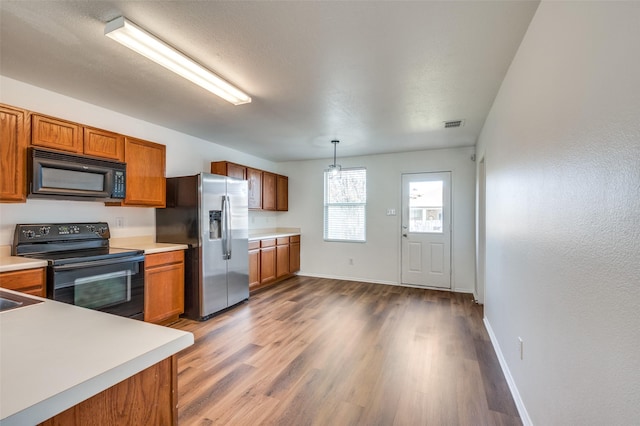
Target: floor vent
[453, 123]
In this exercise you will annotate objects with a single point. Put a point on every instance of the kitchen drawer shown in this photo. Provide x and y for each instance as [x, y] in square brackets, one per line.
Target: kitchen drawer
[30, 281]
[254, 245]
[294, 239]
[165, 258]
[281, 241]
[268, 243]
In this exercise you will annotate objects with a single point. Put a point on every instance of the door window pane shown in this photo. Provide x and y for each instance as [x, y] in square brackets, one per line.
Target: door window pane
[425, 206]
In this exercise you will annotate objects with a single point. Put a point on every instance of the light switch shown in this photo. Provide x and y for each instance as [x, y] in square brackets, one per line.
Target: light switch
[391, 212]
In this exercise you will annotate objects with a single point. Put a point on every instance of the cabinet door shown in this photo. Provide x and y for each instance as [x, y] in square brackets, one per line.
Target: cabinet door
[282, 259]
[282, 193]
[146, 184]
[57, 134]
[255, 188]
[13, 143]
[294, 254]
[226, 168]
[267, 264]
[29, 281]
[101, 143]
[164, 288]
[268, 191]
[254, 268]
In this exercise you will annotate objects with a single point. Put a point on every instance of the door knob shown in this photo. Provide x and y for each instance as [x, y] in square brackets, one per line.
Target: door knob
[404, 235]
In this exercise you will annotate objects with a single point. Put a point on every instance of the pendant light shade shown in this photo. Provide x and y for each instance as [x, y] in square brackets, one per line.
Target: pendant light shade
[334, 169]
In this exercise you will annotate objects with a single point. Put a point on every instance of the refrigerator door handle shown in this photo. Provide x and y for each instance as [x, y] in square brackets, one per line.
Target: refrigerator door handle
[226, 228]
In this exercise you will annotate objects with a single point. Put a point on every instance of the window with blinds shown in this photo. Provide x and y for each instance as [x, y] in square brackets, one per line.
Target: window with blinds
[345, 202]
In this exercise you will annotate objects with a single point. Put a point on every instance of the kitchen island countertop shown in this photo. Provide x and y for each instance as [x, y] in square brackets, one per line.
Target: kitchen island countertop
[54, 356]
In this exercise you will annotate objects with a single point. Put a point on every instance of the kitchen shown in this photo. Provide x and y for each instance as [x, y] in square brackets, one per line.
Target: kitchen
[126, 223]
[576, 362]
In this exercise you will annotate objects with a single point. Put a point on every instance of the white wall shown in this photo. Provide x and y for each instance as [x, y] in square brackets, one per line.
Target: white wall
[562, 149]
[378, 260]
[185, 155]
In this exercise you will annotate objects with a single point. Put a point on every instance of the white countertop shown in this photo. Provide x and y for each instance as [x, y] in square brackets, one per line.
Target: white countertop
[145, 243]
[260, 234]
[54, 356]
[17, 263]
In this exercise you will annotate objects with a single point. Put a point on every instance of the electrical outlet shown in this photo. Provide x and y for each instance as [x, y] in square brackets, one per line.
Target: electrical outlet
[521, 347]
[119, 222]
[350, 261]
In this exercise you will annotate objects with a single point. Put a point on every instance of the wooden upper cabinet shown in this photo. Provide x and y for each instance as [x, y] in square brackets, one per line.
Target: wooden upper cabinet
[254, 177]
[268, 191]
[102, 143]
[226, 168]
[146, 182]
[13, 144]
[49, 132]
[282, 193]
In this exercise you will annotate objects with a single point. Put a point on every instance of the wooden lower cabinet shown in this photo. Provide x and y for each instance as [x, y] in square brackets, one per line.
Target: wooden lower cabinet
[164, 287]
[282, 257]
[272, 260]
[147, 398]
[294, 253]
[29, 281]
[267, 261]
[254, 264]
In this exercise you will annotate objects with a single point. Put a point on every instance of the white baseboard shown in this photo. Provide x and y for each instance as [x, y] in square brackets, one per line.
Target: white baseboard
[364, 280]
[522, 410]
[335, 277]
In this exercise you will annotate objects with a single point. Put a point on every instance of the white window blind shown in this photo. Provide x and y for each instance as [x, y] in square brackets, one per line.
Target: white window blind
[345, 202]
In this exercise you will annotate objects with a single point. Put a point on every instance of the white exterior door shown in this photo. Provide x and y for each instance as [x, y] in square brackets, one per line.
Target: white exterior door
[426, 229]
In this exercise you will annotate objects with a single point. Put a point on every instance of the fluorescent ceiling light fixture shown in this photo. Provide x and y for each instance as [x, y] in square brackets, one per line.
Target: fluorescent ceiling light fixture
[135, 38]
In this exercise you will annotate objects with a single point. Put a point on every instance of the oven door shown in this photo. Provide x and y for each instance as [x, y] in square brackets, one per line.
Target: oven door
[115, 286]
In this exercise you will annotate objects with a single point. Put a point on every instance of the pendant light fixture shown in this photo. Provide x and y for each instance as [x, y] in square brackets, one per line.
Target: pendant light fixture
[135, 38]
[334, 169]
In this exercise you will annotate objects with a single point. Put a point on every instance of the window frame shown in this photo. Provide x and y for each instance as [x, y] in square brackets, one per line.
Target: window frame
[326, 205]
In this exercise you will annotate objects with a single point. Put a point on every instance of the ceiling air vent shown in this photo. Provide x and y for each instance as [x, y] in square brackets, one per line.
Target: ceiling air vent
[453, 123]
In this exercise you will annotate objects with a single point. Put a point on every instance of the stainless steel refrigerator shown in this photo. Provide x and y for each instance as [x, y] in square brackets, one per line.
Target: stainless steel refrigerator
[210, 214]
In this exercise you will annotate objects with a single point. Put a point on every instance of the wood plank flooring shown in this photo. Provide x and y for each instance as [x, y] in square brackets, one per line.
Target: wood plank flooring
[313, 351]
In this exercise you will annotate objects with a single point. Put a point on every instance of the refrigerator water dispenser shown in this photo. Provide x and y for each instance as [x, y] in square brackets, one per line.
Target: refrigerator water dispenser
[215, 224]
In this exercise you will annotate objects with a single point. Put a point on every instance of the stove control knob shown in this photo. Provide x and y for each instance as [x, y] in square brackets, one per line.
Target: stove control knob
[91, 228]
[103, 230]
[44, 230]
[29, 233]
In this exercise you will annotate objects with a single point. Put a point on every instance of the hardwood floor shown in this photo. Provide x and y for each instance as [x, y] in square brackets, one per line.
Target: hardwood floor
[313, 351]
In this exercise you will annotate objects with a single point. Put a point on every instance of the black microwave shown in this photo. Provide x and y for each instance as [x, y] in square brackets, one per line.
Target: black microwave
[55, 174]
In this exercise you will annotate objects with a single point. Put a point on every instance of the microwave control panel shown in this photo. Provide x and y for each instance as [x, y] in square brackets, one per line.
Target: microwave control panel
[119, 186]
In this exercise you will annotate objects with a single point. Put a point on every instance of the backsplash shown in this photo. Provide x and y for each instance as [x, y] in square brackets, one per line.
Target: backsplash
[123, 221]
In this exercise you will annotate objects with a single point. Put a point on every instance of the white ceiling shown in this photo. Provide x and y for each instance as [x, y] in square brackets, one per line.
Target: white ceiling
[379, 76]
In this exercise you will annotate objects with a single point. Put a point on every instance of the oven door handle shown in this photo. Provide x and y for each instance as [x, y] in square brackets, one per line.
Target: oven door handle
[105, 262]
